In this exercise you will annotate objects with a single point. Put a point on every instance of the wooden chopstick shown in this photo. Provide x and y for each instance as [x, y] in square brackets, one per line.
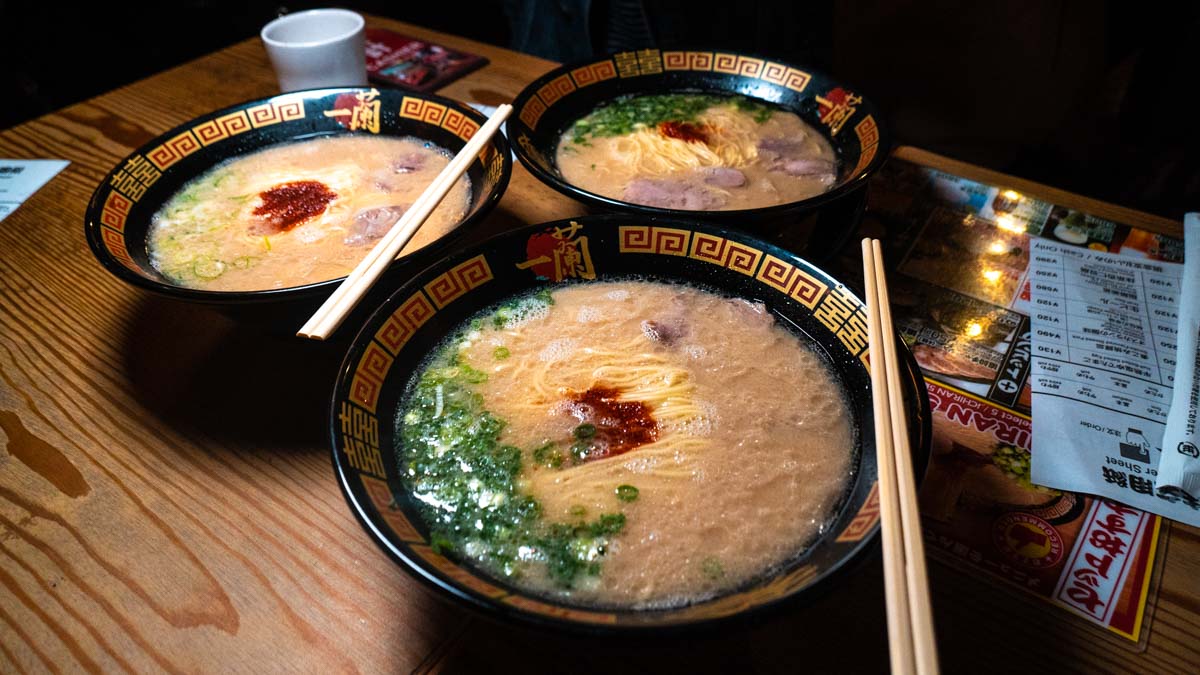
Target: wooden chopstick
[895, 586]
[352, 289]
[912, 647]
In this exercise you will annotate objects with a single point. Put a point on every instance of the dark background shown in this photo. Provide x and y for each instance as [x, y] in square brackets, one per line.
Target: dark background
[1095, 97]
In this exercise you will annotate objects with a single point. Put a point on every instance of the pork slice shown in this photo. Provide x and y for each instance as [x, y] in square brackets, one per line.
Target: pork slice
[781, 147]
[665, 331]
[413, 161]
[672, 194]
[806, 167]
[370, 225]
[722, 176]
[787, 155]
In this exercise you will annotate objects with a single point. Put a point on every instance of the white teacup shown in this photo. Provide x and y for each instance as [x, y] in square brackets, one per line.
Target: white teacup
[317, 48]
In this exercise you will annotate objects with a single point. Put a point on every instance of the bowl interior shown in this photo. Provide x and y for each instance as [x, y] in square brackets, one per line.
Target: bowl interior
[120, 212]
[395, 341]
[549, 106]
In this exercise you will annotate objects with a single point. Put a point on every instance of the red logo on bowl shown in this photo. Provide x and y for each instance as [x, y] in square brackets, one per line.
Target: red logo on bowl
[357, 111]
[559, 253]
[836, 107]
[1027, 540]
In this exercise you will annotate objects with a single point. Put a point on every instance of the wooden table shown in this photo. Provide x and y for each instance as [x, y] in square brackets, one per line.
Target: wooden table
[167, 502]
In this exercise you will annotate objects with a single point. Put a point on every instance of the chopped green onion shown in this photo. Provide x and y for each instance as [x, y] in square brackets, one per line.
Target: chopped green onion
[626, 493]
[628, 114]
[712, 568]
[207, 268]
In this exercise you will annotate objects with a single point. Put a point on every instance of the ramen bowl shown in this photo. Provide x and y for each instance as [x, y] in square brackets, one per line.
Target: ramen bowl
[395, 342]
[815, 226]
[119, 215]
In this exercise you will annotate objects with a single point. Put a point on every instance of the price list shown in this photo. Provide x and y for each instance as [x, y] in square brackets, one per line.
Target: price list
[1103, 329]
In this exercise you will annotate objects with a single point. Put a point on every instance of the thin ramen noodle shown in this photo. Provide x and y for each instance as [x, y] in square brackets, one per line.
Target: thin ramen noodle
[617, 443]
[298, 213]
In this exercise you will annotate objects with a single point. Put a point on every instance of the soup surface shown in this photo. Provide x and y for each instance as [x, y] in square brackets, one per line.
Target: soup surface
[625, 444]
[298, 213]
[696, 152]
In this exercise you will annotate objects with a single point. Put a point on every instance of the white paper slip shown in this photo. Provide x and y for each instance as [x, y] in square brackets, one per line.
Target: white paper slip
[1104, 336]
[20, 178]
[1179, 467]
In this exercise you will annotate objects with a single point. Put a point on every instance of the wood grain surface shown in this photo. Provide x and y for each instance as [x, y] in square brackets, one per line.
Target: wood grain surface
[167, 501]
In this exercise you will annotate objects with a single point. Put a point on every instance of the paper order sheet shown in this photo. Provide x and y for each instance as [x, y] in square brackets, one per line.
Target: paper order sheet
[1104, 357]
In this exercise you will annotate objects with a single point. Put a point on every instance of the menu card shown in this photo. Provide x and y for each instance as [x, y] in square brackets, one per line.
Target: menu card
[410, 63]
[1103, 374]
[962, 253]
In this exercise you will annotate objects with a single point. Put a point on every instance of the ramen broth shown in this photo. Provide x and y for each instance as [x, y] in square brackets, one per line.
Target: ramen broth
[298, 213]
[618, 444]
[696, 152]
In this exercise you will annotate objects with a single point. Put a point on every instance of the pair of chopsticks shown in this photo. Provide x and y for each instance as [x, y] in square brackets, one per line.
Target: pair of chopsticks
[910, 623]
[331, 314]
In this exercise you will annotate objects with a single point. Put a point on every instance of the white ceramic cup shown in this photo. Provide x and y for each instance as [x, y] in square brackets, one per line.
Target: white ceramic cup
[317, 48]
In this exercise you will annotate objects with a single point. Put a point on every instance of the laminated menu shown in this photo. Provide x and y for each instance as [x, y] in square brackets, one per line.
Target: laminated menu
[962, 252]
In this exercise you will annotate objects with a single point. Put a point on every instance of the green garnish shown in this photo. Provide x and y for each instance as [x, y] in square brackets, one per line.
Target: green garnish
[579, 450]
[585, 430]
[464, 480]
[626, 493]
[471, 375]
[207, 268]
[630, 113]
[441, 545]
[548, 455]
[711, 567]
[500, 353]
[609, 523]
[509, 311]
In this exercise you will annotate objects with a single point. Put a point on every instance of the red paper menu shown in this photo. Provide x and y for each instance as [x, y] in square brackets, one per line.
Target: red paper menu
[414, 64]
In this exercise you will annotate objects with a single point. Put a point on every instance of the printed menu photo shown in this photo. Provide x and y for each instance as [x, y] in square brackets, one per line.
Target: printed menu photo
[979, 507]
[974, 345]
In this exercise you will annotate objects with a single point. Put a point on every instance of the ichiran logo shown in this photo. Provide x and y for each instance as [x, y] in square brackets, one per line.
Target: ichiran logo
[836, 107]
[559, 253]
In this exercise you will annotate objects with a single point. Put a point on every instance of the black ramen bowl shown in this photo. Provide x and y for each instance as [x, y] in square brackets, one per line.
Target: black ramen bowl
[816, 226]
[392, 345]
[120, 212]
